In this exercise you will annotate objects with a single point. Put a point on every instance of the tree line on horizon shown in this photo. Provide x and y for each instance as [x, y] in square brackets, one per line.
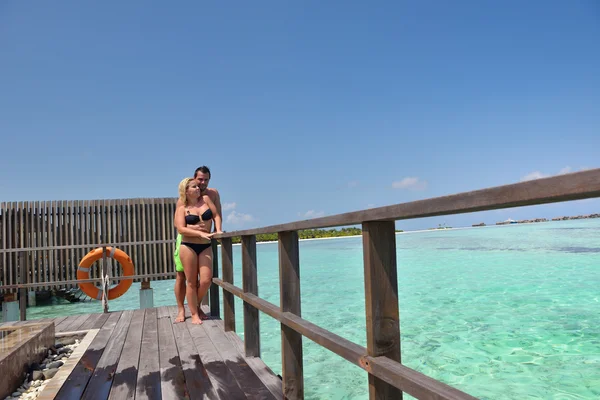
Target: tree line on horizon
[309, 234]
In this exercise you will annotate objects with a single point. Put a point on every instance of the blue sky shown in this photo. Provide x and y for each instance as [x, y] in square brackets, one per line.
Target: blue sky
[301, 109]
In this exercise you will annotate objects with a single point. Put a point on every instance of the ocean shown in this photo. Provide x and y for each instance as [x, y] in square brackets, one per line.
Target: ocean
[500, 312]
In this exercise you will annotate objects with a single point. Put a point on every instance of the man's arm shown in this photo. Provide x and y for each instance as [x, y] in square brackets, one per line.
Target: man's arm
[217, 203]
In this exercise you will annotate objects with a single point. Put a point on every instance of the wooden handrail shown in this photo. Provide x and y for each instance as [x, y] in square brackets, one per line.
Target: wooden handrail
[86, 246]
[573, 186]
[94, 280]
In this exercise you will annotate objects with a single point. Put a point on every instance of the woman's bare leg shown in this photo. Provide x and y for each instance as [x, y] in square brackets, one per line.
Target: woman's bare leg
[205, 268]
[189, 259]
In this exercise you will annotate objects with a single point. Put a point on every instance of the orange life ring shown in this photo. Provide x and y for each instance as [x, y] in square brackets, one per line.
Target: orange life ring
[83, 272]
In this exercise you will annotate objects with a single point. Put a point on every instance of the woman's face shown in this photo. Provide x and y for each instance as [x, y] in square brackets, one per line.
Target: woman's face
[193, 189]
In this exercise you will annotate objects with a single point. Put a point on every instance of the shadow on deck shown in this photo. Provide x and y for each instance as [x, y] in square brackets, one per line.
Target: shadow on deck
[142, 354]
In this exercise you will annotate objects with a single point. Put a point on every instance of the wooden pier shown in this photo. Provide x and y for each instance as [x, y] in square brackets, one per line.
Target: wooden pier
[199, 358]
[143, 354]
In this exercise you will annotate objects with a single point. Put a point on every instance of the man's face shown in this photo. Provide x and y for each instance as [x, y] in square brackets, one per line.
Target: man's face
[202, 180]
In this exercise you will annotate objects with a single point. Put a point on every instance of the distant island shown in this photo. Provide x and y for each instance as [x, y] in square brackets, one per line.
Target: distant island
[536, 220]
[332, 233]
[310, 234]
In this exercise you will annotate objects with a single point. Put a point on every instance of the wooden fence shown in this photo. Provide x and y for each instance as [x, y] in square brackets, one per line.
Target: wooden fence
[56, 235]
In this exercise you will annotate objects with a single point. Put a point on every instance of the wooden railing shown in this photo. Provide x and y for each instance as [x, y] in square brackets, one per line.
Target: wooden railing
[388, 378]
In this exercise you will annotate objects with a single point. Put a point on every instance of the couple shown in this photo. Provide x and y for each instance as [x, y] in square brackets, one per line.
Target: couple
[196, 209]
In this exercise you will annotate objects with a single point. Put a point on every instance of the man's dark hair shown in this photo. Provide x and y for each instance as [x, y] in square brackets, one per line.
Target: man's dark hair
[204, 169]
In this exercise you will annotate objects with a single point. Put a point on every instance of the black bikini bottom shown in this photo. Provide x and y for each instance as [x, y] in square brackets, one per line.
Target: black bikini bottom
[197, 247]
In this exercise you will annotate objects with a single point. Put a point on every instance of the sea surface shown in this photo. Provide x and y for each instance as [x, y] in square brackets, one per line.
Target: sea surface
[502, 312]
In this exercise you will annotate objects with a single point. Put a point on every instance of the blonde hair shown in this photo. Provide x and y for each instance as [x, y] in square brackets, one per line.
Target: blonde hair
[183, 185]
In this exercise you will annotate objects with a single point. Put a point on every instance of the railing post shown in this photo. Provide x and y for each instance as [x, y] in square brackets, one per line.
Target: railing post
[250, 285]
[214, 289]
[381, 301]
[289, 293]
[228, 298]
[23, 291]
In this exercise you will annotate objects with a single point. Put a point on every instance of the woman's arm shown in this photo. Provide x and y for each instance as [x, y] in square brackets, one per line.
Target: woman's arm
[216, 215]
[182, 228]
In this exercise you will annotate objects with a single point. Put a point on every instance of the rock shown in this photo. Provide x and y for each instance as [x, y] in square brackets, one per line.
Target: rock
[38, 376]
[58, 345]
[55, 364]
[34, 367]
[36, 383]
[21, 390]
[26, 385]
[64, 350]
[16, 394]
[50, 373]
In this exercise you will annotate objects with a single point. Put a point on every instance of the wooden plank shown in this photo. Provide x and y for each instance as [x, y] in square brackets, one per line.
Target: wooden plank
[76, 324]
[250, 285]
[148, 380]
[42, 255]
[197, 382]
[12, 243]
[125, 379]
[88, 222]
[55, 242]
[144, 235]
[172, 380]
[381, 301]
[134, 227]
[92, 321]
[37, 264]
[289, 294]
[64, 241]
[152, 229]
[27, 276]
[101, 381]
[163, 226]
[3, 238]
[228, 299]
[221, 377]
[247, 380]
[58, 320]
[264, 373]
[567, 187]
[76, 383]
[65, 323]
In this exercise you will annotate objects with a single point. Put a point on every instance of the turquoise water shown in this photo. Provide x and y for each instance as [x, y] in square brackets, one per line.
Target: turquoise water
[509, 312]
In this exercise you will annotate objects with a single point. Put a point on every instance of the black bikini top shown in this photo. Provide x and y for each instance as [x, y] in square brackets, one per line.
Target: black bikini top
[192, 219]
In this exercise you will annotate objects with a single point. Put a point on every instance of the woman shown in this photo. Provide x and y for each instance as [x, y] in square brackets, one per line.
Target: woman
[194, 221]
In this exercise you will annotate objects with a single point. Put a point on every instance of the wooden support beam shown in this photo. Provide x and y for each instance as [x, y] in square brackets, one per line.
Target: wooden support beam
[250, 285]
[228, 298]
[289, 294]
[381, 301]
[215, 310]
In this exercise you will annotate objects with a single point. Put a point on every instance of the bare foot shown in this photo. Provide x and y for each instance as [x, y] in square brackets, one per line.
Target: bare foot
[201, 314]
[180, 316]
[196, 320]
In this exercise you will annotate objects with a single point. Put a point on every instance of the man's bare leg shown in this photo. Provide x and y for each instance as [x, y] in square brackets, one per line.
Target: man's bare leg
[180, 296]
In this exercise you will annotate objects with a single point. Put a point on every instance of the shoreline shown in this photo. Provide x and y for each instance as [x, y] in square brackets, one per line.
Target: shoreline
[423, 231]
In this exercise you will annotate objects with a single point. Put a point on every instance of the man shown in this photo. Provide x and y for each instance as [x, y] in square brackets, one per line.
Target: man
[202, 176]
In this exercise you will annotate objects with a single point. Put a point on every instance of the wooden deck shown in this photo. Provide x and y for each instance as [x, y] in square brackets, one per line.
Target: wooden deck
[142, 354]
